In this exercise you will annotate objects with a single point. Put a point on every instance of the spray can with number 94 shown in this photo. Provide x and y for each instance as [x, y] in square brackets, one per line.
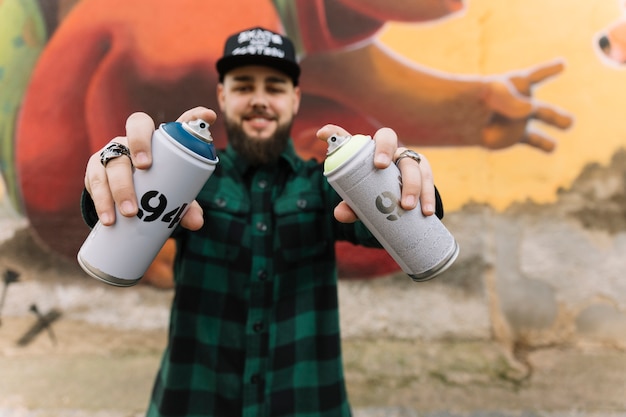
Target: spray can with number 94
[421, 245]
[183, 158]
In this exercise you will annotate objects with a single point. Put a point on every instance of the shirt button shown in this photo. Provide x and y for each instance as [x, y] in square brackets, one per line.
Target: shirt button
[301, 203]
[257, 327]
[220, 202]
[262, 227]
[262, 275]
[262, 184]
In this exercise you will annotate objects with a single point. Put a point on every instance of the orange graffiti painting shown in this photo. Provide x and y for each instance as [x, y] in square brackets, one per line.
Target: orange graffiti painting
[109, 58]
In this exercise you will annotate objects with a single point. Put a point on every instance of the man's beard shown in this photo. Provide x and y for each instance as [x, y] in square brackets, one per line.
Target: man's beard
[258, 151]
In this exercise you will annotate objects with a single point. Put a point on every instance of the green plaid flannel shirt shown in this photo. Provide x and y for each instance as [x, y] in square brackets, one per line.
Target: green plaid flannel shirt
[254, 327]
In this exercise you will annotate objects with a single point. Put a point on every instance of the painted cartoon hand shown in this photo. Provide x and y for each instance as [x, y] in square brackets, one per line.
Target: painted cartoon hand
[509, 99]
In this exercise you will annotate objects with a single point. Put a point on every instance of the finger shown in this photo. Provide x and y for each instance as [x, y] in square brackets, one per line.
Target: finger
[139, 129]
[427, 191]
[344, 214]
[327, 131]
[386, 146]
[553, 116]
[417, 183]
[542, 72]
[119, 174]
[539, 141]
[97, 186]
[524, 81]
[193, 218]
[411, 180]
[199, 112]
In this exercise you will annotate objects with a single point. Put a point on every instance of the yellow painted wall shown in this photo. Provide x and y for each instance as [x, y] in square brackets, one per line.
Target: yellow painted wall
[494, 37]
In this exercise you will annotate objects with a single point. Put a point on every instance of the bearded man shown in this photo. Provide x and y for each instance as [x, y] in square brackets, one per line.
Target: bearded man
[254, 328]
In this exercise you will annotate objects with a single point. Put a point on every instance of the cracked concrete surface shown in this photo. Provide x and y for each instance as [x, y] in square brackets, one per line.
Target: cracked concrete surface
[530, 321]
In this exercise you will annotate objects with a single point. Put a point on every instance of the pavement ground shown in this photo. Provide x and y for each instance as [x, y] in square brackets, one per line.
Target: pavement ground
[86, 370]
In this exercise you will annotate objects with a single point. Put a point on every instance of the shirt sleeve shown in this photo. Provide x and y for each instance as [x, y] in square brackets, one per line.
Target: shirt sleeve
[88, 209]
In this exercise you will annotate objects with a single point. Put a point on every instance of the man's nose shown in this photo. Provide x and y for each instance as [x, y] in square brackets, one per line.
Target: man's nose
[259, 98]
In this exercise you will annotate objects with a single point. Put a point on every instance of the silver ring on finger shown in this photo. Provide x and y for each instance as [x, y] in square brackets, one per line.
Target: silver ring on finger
[114, 150]
[408, 153]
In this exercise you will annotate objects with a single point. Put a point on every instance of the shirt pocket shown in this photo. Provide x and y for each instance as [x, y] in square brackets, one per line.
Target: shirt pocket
[302, 226]
[225, 235]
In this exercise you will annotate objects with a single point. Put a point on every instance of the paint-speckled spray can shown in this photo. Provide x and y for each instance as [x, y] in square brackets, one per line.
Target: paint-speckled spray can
[183, 158]
[421, 245]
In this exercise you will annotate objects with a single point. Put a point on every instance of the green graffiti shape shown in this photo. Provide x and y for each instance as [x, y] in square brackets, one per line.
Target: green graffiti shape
[22, 38]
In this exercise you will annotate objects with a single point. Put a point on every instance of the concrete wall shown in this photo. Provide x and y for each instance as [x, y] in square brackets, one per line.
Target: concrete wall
[541, 233]
[535, 275]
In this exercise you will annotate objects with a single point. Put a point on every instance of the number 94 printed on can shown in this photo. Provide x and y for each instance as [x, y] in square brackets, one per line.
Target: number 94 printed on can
[149, 212]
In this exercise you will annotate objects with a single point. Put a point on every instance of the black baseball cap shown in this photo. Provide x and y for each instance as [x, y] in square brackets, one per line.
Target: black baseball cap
[259, 46]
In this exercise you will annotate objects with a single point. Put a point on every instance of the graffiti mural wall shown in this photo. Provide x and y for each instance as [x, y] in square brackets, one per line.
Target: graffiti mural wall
[510, 100]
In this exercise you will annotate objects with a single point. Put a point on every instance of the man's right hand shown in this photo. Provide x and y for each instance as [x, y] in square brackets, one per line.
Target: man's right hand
[112, 185]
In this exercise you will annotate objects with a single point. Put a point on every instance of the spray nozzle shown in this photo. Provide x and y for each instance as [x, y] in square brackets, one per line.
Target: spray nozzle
[334, 142]
[200, 129]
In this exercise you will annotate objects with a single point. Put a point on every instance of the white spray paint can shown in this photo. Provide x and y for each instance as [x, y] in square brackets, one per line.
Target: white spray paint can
[421, 245]
[183, 159]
